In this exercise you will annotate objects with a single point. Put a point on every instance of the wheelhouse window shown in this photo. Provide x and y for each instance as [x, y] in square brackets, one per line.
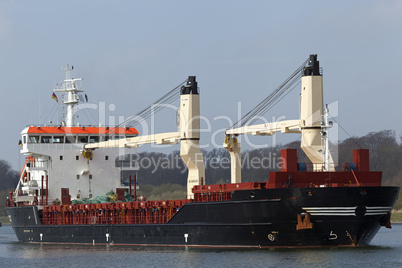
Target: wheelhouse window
[58, 139]
[83, 139]
[93, 139]
[70, 139]
[33, 139]
[24, 138]
[45, 139]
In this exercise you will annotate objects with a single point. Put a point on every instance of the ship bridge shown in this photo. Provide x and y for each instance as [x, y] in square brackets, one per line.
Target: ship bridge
[45, 137]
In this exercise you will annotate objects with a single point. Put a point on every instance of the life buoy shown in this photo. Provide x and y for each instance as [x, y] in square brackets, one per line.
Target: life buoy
[87, 154]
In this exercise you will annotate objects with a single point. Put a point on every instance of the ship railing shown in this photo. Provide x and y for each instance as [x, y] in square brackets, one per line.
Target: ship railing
[38, 164]
[79, 219]
[28, 200]
[53, 216]
[212, 197]
[137, 212]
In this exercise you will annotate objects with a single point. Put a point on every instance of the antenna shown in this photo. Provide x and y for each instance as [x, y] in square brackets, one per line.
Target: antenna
[70, 89]
[67, 69]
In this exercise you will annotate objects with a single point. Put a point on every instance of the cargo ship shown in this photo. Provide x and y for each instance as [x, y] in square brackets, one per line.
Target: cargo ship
[301, 205]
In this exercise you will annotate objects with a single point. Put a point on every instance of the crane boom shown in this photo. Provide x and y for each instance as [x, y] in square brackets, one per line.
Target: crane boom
[288, 126]
[188, 133]
[163, 138]
[311, 125]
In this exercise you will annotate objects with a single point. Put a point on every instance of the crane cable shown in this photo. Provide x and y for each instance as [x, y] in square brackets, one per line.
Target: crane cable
[154, 107]
[272, 99]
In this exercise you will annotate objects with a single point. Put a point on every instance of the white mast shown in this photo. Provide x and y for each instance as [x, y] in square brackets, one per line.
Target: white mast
[311, 117]
[324, 134]
[189, 128]
[69, 87]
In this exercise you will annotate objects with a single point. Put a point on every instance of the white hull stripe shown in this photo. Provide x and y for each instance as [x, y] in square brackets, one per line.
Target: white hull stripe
[375, 213]
[331, 211]
[331, 208]
[386, 208]
[331, 214]
[377, 210]
[345, 211]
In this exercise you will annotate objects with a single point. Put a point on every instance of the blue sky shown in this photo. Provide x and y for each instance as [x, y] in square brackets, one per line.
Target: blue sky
[131, 52]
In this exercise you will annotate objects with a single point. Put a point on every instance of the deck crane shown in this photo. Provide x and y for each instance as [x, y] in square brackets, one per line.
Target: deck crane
[313, 123]
[188, 133]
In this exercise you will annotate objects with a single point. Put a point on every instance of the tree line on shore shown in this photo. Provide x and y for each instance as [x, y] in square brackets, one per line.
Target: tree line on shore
[385, 156]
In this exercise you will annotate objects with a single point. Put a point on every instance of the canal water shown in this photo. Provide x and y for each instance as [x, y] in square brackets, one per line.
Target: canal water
[384, 251]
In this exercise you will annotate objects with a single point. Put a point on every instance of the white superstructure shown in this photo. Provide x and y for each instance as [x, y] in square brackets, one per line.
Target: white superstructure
[54, 157]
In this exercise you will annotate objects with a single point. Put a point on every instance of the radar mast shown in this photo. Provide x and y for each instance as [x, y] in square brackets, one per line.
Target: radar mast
[70, 87]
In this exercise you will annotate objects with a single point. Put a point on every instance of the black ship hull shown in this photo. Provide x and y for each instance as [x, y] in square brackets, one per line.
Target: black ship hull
[286, 217]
